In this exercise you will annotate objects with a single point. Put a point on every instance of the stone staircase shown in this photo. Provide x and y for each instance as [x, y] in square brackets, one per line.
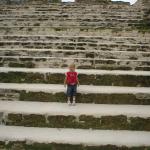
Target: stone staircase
[108, 41]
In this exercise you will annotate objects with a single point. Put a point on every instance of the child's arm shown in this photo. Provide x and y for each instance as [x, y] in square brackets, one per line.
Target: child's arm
[65, 81]
[78, 83]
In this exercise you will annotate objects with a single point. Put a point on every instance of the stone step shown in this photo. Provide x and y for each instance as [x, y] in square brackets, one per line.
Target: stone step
[73, 30]
[63, 25]
[73, 18]
[48, 18]
[81, 63]
[70, 22]
[49, 8]
[94, 39]
[19, 15]
[92, 77]
[74, 45]
[61, 11]
[86, 93]
[48, 138]
[101, 54]
[86, 116]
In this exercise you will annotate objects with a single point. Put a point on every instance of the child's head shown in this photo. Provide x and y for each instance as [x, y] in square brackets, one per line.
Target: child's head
[72, 67]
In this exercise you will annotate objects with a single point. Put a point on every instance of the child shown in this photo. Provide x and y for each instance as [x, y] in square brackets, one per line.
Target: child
[71, 80]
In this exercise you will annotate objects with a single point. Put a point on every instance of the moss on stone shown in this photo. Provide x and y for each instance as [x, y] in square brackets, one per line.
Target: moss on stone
[55, 78]
[119, 122]
[25, 59]
[39, 146]
[101, 98]
[14, 119]
[89, 122]
[24, 65]
[61, 121]
[122, 80]
[143, 68]
[2, 145]
[23, 145]
[43, 97]
[138, 123]
[85, 67]
[107, 67]
[17, 146]
[34, 120]
[10, 59]
[21, 77]
[40, 59]
[114, 122]
[111, 99]
[85, 98]
[11, 64]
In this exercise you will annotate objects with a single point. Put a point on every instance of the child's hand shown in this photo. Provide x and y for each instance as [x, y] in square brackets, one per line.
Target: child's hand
[78, 84]
[65, 85]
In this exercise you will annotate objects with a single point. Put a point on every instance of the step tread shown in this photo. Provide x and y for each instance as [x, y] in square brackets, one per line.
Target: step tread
[76, 36]
[56, 88]
[67, 50]
[77, 58]
[75, 136]
[96, 110]
[80, 71]
[67, 42]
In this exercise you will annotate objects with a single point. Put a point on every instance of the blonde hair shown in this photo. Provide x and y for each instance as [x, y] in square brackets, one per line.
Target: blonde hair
[72, 65]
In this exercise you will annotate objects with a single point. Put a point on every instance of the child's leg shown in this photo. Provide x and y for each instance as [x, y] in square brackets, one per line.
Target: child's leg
[74, 95]
[69, 100]
[68, 95]
[74, 100]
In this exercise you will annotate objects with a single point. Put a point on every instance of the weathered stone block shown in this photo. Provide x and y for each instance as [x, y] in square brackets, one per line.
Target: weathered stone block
[14, 119]
[34, 120]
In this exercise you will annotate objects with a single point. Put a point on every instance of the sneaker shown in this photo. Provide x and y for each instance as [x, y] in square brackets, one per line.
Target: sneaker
[69, 103]
[73, 103]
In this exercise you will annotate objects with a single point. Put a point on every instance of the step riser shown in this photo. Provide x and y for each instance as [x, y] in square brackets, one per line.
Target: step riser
[61, 26]
[83, 121]
[115, 80]
[70, 31]
[78, 54]
[11, 145]
[74, 46]
[103, 23]
[138, 99]
[80, 63]
[10, 12]
[95, 39]
[73, 17]
[97, 19]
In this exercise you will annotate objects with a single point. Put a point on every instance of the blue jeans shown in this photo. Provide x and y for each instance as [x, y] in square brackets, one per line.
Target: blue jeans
[71, 90]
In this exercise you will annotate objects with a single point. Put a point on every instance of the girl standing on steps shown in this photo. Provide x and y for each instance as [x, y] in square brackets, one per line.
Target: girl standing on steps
[71, 80]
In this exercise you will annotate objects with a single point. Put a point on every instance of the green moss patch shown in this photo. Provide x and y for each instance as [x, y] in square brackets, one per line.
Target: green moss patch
[84, 122]
[34, 120]
[62, 121]
[101, 98]
[24, 65]
[116, 80]
[2, 145]
[140, 123]
[41, 96]
[86, 98]
[23, 145]
[14, 119]
[31, 120]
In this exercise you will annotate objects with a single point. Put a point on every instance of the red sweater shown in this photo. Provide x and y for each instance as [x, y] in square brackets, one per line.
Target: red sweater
[72, 78]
